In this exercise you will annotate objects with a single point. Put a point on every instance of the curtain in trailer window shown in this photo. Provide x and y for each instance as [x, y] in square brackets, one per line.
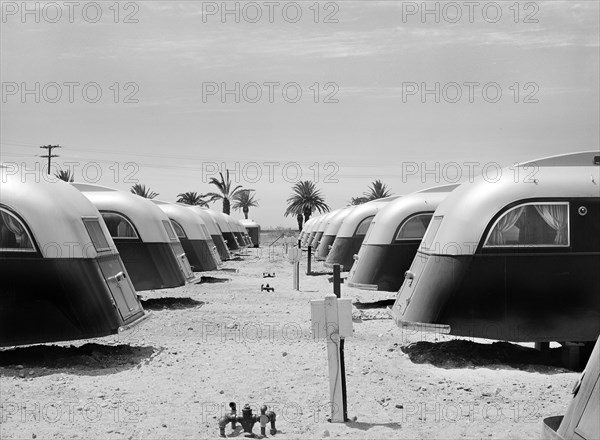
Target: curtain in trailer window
[504, 225]
[13, 233]
[532, 224]
[556, 216]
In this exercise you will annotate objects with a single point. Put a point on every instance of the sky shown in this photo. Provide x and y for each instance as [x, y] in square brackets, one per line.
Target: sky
[342, 93]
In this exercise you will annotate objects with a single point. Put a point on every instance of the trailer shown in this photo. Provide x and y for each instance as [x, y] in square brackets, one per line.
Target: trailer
[62, 276]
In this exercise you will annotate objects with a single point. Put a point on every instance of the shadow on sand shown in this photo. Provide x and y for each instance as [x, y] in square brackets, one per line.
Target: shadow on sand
[170, 303]
[87, 360]
[469, 354]
[381, 304]
[363, 426]
[212, 280]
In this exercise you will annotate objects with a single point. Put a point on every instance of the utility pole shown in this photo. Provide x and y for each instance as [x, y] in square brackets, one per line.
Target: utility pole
[50, 155]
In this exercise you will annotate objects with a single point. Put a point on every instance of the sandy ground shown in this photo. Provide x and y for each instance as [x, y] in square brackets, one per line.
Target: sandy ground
[220, 341]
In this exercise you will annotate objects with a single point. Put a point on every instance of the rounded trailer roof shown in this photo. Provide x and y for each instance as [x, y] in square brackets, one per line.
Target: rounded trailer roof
[309, 225]
[334, 223]
[469, 209]
[249, 223]
[53, 213]
[385, 224]
[190, 221]
[359, 213]
[209, 221]
[235, 224]
[146, 217]
[318, 222]
[221, 220]
[326, 219]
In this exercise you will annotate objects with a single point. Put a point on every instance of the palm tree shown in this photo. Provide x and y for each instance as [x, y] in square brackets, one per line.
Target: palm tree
[305, 200]
[226, 193]
[141, 190]
[358, 200]
[244, 200]
[192, 198]
[378, 190]
[66, 175]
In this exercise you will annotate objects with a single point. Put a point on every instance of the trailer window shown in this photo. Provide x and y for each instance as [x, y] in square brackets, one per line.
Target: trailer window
[178, 229]
[532, 224]
[414, 228]
[205, 229]
[118, 225]
[370, 229]
[14, 236]
[364, 226]
[431, 232]
[169, 230]
[96, 233]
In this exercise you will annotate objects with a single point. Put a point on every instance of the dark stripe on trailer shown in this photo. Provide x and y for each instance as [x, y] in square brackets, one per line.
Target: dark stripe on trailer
[50, 300]
[520, 298]
[309, 239]
[254, 234]
[317, 238]
[221, 247]
[231, 241]
[383, 266]
[343, 251]
[241, 240]
[198, 254]
[323, 251]
[150, 265]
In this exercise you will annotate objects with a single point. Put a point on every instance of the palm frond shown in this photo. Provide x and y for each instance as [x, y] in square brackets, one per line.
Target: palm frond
[142, 191]
[66, 175]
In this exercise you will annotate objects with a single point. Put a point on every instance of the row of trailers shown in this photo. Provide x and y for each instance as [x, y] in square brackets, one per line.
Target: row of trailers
[73, 256]
[513, 258]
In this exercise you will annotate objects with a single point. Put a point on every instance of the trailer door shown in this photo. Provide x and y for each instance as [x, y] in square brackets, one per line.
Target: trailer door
[122, 291]
[121, 287]
[182, 261]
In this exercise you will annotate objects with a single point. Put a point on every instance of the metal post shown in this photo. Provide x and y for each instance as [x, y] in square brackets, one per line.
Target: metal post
[297, 275]
[308, 268]
[337, 281]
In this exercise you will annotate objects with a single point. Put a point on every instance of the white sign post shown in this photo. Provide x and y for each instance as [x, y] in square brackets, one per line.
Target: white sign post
[332, 319]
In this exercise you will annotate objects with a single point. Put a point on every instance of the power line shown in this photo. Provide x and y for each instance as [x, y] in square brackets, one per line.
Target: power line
[50, 155]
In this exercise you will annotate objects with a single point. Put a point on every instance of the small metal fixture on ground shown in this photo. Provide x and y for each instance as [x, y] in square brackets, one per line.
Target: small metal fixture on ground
[247, 420]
